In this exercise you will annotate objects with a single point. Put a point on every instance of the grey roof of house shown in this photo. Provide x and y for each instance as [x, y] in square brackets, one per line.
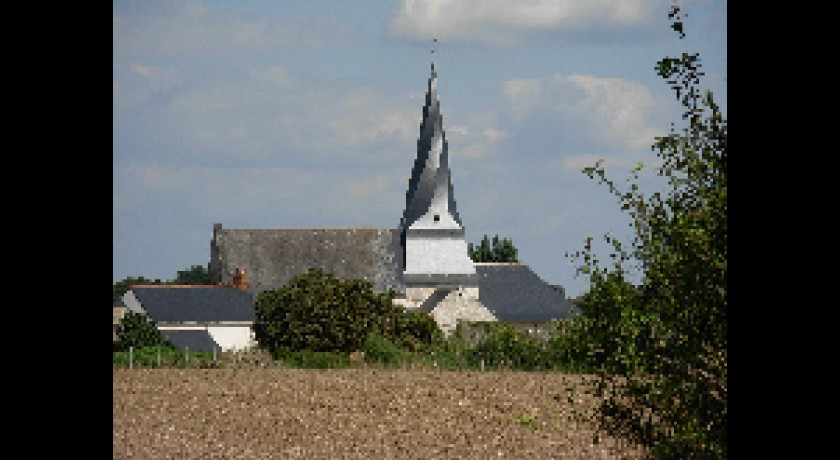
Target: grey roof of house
[199, 304]
[195, 340]
[513, 292]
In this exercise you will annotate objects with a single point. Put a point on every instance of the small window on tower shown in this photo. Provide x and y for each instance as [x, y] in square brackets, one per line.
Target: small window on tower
[437, 217]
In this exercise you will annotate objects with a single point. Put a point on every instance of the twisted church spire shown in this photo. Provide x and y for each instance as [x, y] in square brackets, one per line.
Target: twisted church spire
[430, 196]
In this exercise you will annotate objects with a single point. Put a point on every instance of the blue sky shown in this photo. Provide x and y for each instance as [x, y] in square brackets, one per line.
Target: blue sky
[305, 114]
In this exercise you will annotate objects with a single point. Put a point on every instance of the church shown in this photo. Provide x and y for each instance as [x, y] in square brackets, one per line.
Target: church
[424, 259]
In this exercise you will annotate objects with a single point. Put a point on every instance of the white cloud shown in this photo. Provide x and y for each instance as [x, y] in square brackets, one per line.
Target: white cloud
[362, 117]
[272, 114]
[233, 194]
[477, 138]
[191, 28]
[618, 113]
[273, 117]
[506, 22]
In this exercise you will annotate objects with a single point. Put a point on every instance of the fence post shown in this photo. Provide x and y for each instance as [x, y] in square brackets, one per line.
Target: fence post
[482, 364]
[131, 356]
[214, 353]
[158, 355]
[187, 355]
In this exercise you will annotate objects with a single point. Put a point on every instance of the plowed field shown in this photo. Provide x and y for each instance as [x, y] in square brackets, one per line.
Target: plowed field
[355, 414]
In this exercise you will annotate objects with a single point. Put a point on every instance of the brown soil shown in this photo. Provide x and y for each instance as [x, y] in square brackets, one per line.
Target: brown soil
[356, 413]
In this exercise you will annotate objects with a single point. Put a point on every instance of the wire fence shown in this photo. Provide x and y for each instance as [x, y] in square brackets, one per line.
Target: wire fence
[161, 357]
[151, 357]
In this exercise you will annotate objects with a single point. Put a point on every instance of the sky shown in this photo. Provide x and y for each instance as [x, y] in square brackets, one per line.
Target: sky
[305, 114]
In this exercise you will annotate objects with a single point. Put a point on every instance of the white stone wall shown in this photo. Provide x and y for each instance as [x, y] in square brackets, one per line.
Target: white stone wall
[438, 255]
[460, 305]
[232, 337]
[414, 296]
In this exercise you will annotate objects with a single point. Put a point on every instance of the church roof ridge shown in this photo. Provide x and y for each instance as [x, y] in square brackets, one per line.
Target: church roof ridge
[498, 263]
[361, 227]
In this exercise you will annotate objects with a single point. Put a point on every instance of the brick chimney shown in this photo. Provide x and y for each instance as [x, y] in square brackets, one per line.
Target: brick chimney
[239, 279]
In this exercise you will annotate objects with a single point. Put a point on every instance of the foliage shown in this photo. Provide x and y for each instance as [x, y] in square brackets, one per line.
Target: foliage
[196, 274]
[507, 346]
[138, 331]
[379, 348]
[318, 312]
[414, 330]
[660, 348]
[495, 251]
[568, 347]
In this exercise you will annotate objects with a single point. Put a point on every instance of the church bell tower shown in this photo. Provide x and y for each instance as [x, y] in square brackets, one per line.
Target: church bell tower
[438, 274]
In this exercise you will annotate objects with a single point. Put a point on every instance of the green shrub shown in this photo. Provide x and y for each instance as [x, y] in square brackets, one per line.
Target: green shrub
[316, 311]
[414, 330]
[380, 349]
[568, 348]
[505, 345]
[138, 331]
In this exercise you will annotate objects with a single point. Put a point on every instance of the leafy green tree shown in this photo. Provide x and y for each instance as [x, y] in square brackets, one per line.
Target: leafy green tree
[660, 347]
[318, 312]
[496, 251]
[196, 274]
[138, 331]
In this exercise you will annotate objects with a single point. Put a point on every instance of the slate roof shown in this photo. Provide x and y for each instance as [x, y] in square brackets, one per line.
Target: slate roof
[272, 257]
[199, 304]
[195, 340]
[513, 292]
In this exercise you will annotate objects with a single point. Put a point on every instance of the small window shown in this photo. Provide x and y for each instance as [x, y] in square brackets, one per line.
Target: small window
[437, 217]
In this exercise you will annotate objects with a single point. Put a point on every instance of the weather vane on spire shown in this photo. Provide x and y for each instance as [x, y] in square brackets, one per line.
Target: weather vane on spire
[434, 40]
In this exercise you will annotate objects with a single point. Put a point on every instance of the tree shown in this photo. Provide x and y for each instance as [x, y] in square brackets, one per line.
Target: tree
[196, 274]
[497, 251]
[318, 312]
[138, 331]
[660, 347]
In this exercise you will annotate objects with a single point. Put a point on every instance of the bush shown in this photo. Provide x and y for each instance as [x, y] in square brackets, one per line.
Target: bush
[380, 349]
[567, 347]
[316, 311]
[138, 331]
[506, 345]
[414, 330]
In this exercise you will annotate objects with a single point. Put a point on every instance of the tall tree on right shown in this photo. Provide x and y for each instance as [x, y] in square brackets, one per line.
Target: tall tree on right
[660, 346]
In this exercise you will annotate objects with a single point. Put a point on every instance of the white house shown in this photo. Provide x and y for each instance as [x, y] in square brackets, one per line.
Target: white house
[198, 317]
